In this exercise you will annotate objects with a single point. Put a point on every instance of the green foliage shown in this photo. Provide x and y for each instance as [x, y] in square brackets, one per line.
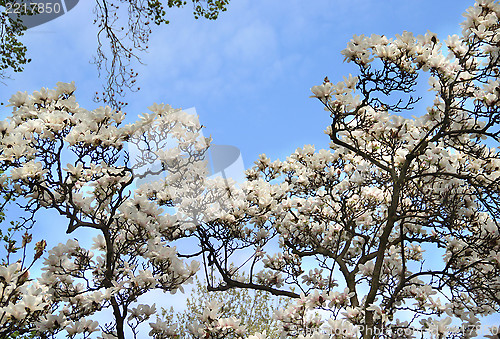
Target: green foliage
[12, 51]
[254, 308]
[18, 335]
[209, 9]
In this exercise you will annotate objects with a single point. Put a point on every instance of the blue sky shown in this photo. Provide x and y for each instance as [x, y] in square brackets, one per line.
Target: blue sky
[248, 74]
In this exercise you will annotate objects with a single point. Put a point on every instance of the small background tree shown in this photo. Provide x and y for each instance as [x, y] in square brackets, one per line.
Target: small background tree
[254, 308]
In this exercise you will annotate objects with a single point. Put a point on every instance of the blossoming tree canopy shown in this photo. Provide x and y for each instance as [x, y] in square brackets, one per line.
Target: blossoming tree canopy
[83, 164]
[396, 226]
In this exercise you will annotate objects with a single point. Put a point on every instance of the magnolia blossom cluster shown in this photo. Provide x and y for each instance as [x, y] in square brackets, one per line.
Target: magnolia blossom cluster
[211, 325]
[22, 300]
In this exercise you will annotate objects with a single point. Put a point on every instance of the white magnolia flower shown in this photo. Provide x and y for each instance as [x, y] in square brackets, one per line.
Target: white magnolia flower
[322, 92]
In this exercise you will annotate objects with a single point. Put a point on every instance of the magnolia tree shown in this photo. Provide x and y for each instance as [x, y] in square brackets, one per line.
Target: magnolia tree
[395, 228]
[84, 165]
